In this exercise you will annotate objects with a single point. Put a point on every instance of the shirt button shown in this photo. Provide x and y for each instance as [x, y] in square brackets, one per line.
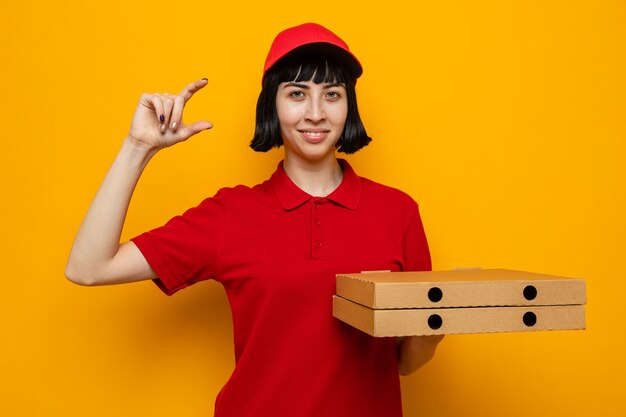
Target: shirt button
[318, 244]
[316, 205]
[318, 222]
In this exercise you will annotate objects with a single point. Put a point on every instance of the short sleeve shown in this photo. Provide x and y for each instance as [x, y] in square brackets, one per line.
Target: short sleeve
[185, 250]
[416, 251]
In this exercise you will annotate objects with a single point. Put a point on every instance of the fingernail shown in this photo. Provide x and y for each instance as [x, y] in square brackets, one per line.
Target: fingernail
[205, 79]
[163, 127]
[162, 118]
[174, 124]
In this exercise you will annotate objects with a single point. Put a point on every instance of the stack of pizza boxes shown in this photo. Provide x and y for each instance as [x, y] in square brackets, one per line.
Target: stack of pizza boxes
[458, 301]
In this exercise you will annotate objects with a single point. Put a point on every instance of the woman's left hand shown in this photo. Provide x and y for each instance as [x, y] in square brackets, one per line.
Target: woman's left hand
[415, 351]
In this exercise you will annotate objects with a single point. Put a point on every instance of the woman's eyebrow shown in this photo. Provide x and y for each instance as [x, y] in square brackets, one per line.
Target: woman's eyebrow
[301, 85]
[333, 85]
[296, 84]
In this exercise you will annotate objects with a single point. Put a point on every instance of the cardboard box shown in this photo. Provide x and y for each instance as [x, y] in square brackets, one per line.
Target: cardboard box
[466, 301]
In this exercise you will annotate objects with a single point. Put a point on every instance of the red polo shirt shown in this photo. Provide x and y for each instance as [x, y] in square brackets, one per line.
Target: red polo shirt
[276, 250]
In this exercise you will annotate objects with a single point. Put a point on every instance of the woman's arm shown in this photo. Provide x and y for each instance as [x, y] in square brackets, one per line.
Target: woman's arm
[97, 258]
[415, 351]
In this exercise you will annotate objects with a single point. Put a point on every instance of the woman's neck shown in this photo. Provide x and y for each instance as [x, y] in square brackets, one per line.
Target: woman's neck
[317, 178]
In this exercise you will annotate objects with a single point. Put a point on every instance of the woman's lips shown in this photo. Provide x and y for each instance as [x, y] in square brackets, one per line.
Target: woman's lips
[314, 136]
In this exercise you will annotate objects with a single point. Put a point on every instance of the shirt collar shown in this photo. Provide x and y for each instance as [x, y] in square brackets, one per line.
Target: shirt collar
[290, 196]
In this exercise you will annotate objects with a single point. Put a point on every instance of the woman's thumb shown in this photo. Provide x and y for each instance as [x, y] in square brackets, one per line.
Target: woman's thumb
[196, 128]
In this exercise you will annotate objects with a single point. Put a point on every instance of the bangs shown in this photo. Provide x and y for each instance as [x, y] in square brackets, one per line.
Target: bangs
[319, 69]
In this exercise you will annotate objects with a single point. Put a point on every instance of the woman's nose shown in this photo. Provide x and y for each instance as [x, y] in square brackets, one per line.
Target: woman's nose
[315, 111]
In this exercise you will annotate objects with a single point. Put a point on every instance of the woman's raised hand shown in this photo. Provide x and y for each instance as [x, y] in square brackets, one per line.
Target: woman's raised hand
[157, 122]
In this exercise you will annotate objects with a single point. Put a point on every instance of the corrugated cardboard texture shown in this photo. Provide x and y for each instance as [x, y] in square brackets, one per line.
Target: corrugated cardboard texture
[415, 322]
[464, 288]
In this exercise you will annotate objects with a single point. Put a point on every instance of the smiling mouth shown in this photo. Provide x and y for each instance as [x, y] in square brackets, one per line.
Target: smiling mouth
[314, 136]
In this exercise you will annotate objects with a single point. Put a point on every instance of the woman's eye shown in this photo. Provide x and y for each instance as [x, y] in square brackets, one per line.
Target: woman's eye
[333, 95]
[296, 94]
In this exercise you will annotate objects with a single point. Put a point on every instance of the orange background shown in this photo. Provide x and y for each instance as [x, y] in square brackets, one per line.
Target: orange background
[506, 121]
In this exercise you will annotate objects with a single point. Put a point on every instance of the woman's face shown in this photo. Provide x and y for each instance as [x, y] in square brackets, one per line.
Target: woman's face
[312, 117]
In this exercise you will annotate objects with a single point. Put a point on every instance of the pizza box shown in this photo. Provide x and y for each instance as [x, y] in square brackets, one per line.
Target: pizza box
[460, 301]
[459, 288]
[430, 321]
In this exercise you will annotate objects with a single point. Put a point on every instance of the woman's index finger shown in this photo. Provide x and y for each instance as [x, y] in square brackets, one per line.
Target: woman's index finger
[193, 88]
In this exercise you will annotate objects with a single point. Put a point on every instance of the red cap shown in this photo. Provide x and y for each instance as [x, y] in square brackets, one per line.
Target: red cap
[311, 37]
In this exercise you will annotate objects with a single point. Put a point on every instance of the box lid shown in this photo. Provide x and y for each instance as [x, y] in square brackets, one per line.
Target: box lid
[459, 288]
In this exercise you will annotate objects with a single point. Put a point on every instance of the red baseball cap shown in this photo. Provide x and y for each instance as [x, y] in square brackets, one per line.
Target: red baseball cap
[311, 38]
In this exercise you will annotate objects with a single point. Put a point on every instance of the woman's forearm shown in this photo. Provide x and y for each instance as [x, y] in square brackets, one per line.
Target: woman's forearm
[98, 239]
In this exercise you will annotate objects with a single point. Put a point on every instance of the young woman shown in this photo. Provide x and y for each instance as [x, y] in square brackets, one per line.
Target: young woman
[276, 247]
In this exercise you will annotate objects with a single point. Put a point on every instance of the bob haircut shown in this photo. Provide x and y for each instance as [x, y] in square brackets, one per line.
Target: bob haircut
[316, 68]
